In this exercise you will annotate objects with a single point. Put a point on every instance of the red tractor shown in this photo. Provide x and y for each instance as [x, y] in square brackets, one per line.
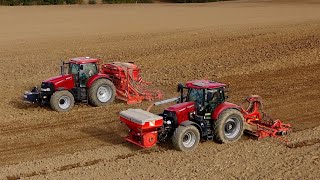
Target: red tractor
[201, 113]
[82, 80]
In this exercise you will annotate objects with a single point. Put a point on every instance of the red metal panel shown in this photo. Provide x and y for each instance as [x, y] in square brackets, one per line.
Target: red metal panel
[221, 107]
[182, 110]
[95, 77]
[148, 126]
[62, 81]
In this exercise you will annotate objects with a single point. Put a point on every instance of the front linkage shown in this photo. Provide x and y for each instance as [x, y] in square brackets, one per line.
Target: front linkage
[42, 96]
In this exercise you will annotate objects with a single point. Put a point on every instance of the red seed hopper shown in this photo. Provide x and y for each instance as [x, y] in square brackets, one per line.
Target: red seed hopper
[143, 126]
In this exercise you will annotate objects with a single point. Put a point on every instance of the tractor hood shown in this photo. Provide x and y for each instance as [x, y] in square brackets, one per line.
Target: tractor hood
[61, 81]
[181, 107]
[182, 111]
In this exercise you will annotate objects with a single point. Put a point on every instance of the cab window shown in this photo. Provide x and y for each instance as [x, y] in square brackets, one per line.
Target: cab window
[89, 69]
[73, 69]
[213, 95]
[195, 95]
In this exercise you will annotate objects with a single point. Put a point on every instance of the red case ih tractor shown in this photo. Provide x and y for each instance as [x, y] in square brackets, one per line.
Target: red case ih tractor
[86, 82]
[201, 113]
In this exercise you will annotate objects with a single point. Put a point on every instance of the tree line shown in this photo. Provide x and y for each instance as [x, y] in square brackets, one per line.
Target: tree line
[57, 2]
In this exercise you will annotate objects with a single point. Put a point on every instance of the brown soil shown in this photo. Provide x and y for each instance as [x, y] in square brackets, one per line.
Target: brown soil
[266, 48]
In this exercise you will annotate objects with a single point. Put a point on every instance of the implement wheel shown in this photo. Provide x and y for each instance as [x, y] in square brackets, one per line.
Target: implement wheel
[186, 138]
[229, 126]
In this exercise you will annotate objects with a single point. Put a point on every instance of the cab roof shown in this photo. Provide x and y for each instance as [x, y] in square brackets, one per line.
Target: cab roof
[84, 60]
[204, 84]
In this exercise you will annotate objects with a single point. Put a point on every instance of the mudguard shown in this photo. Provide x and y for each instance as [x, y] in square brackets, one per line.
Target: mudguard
[93, 78]
[221, 107]
[187, 123]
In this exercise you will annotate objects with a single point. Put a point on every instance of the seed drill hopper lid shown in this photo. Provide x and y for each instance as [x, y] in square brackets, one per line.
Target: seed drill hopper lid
[140, 116]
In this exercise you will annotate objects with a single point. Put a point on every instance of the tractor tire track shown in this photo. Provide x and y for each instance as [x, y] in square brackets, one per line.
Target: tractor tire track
[44, 126]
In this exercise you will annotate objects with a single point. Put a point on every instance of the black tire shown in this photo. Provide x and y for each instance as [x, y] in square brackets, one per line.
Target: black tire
[102, 92]
[229, 126]
[62, 101]
[186, 138]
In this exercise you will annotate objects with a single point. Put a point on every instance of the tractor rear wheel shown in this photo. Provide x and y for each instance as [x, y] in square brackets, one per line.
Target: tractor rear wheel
[186, 138]
[229, 126]
[102, 92]
[62, 101]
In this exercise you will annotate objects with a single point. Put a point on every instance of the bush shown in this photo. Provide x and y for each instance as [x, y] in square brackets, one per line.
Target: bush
[193, 1]
[125, 1]
[10, 2]
[38, 2]
[48, 2]
[55, 2]
[74, 1]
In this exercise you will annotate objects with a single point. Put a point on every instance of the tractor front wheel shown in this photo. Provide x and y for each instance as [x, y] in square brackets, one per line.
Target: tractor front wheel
[186, 138]
[62, 101]
[102, 92]
[229, 126]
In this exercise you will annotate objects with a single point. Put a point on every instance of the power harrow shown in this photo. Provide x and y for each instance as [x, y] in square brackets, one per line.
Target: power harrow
[260, 124]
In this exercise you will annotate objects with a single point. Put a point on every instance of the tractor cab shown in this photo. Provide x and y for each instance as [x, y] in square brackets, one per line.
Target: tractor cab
[82, 68]
[206, 94]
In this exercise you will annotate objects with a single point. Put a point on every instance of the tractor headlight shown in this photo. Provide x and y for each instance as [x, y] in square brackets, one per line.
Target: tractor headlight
[45, 89]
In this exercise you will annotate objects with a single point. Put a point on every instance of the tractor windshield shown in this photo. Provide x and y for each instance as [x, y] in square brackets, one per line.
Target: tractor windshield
[73, 68]
[86, 69]
[195, 95]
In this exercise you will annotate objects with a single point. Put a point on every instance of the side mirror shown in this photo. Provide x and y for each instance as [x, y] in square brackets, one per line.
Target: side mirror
[81, 67]
[180, 87]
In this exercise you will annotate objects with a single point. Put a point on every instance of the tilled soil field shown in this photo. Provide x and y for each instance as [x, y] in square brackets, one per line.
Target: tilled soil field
[266, 48]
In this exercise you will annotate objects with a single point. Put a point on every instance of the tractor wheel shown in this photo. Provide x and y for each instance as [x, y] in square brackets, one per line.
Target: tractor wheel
[229, 126]
[62, 101]
[102, 92]
[186, 138]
